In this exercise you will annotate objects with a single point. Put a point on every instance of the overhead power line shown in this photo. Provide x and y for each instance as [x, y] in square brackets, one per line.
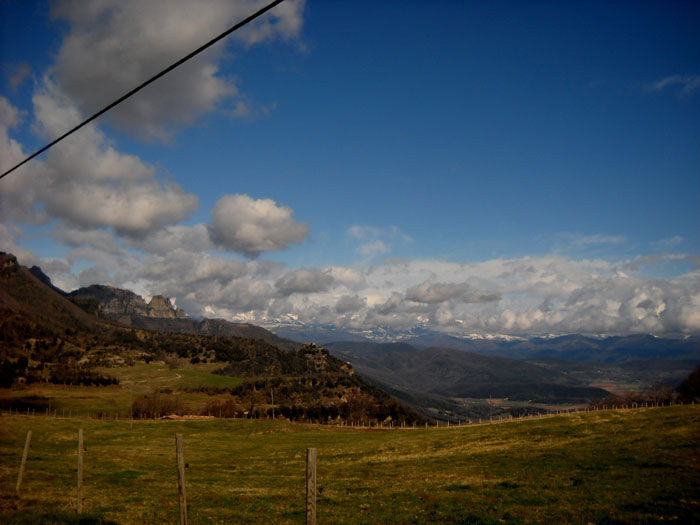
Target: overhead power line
[149, 81]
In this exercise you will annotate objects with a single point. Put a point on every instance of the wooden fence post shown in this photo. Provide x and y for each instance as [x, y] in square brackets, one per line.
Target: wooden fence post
[310, 486]
[80, 471]
[24, 460]
[181, 478]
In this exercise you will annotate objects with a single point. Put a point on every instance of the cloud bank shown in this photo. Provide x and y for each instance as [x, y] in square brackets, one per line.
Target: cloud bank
[541, 295]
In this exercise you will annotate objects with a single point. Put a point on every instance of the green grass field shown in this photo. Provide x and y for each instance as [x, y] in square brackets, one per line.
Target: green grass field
[134, 381]
[640, 466]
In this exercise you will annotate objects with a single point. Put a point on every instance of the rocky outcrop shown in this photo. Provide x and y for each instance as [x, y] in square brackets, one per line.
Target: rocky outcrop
[116, 302]
[161, 307]
[8, 263]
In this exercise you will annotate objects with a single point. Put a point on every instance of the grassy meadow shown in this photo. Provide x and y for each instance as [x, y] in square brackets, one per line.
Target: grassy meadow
[635, 466]
[136, 380]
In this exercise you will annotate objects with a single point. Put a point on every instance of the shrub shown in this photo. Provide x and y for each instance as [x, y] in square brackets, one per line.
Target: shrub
[156, 405]
[228, 408]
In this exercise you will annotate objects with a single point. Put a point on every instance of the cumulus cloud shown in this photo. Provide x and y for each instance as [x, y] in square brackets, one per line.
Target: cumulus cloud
[428, 292]
[346, 276]
[253, 226]
[175, 237]
[85, 183]
[132, 210]
[125, 42]
[349, 304]
[98, 239]
[304, 280]
[17, 198]
[391, 305]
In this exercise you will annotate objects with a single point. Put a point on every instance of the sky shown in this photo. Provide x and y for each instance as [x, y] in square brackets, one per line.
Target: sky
[522, 168]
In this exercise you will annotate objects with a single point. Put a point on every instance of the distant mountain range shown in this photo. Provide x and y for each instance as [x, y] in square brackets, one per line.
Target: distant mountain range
[614, 349]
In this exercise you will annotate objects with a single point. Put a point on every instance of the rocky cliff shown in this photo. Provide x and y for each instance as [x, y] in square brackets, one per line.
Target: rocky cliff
[159, 315]
[116, 302]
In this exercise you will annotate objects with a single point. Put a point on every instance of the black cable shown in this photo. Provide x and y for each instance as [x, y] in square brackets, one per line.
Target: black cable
[150, 80]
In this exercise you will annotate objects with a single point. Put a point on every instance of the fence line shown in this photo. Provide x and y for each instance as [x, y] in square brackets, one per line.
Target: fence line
[383, 425]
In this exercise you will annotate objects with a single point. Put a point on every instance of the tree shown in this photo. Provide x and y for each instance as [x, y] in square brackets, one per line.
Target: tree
[689, 389]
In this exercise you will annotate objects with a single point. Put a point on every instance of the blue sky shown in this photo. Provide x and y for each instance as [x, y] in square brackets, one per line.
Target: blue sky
[507, 167]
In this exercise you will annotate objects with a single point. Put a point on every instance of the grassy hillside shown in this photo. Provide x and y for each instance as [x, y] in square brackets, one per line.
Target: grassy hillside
[600, 467]
[306, 385]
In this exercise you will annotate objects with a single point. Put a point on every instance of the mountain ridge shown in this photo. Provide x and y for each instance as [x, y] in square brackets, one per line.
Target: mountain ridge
[570, 347]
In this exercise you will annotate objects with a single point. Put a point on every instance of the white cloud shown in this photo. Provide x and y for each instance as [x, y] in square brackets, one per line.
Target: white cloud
[17, 198]
[304, 280]
[84, 182]
[687, 84]
[98, 239]
[253, 226]
[348, 277]
[667, 243]
[429, 292]
[194, 239]
[125, 42]
[132, 210]
[349, 304]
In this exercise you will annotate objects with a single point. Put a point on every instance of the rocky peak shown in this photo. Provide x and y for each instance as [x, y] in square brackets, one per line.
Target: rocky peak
[8, 263]
[114, 301]
[162, 307]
